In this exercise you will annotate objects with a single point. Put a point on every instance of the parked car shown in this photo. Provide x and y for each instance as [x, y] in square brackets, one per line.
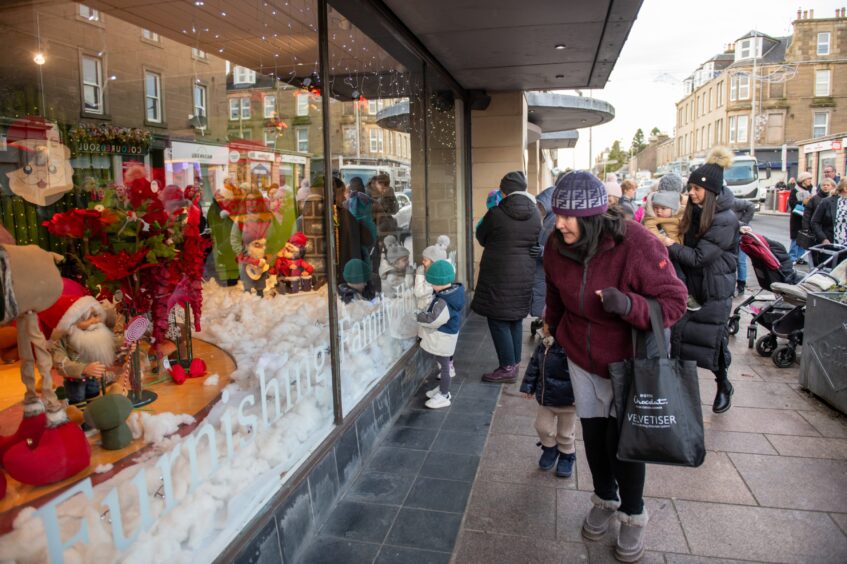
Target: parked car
[404, 214]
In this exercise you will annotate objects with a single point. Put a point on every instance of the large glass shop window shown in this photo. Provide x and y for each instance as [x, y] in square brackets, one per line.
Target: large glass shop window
[378, 181]
[171, 153]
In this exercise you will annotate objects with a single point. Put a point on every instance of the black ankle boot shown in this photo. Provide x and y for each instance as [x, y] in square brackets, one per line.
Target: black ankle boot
[723, 397]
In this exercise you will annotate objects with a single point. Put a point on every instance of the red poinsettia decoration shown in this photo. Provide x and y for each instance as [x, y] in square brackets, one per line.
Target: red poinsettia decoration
[80, 223]
[117, 266]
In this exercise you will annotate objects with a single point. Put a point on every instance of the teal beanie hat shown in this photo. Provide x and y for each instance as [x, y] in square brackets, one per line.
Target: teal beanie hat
[357, 271]
[441, 273]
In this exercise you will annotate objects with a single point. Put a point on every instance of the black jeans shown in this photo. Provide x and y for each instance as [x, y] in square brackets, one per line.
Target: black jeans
[507, 340]
[610, 474]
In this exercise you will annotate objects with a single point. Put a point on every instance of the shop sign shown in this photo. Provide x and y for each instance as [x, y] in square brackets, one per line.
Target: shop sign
[260, 156]
[234, 156]
[110, 148]
[836, 145]
[195, 152]
[295, 159]
[819, 146]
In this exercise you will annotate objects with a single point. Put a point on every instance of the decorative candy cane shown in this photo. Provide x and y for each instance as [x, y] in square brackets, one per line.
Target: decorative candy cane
[135, 330]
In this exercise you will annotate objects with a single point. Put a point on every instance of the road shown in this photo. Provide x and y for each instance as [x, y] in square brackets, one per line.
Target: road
[773, 227]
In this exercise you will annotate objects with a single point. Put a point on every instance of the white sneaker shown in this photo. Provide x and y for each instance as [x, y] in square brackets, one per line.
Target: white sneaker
[438, 400]
[431, 393]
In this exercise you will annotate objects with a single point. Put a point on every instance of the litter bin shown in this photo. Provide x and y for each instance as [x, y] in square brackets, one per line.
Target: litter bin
[823, 367]
[782, 199]
[770, 199]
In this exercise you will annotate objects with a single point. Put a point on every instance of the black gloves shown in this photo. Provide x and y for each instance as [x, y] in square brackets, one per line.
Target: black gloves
[615, 301]
[536, 251]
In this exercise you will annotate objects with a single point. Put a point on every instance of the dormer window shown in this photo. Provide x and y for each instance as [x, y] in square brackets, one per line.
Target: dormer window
[748, 48]
[243, 75]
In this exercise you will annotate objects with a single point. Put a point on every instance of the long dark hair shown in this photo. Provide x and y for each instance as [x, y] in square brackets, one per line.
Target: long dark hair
[594, 229]
[709, 206]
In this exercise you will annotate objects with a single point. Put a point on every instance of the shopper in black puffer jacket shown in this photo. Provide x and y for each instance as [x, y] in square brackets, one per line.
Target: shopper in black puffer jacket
[508, 233]
[708, 259]
[548, 380]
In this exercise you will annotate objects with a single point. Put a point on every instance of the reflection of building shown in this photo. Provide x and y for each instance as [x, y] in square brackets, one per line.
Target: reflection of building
[793, 95]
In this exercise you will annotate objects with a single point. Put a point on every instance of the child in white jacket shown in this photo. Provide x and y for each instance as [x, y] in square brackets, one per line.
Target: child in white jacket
[439, 326]
[431, 254]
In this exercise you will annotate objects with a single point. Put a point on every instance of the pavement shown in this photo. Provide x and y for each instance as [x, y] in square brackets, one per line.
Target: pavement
[462, 484]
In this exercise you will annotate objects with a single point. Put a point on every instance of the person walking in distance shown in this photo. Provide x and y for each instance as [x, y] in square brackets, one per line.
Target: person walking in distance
[503, 293]
[708, 257]
[601, 269]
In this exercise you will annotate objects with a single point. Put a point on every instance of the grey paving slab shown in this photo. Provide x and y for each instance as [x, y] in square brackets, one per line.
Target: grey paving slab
[498, 507]
[671, 558]
[360, 521]
[514, 459]
[795, 483]
[327, 550]
[439, 495]
[759, 394]
[761, 534]
[731, 441]
[841, 520]
[427, 530]
[421, 418]
[512, 424]
[756, 420]
[379, 487]
[469, 422]
[476, 547]
[827, 423]
[408, 437]
[450, 466]
[605, 554]
[397, 460]
[401, 555]
[514, 404]
[459, 442]
[811, 447]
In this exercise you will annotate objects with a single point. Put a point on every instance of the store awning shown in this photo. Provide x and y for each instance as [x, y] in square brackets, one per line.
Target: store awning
[559, 139]
[562, 112]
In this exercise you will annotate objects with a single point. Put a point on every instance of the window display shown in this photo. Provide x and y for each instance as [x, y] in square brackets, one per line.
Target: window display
[170, 364]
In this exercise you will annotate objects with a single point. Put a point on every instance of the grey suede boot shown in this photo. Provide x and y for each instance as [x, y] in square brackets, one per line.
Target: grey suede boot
[597, 521]
[630, 546]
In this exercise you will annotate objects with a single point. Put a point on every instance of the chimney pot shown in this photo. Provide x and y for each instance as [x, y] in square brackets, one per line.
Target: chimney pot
[805, 14]
[800, 13]
[811, 14]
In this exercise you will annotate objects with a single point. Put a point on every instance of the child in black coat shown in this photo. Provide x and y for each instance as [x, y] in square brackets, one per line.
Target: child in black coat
[548, 380]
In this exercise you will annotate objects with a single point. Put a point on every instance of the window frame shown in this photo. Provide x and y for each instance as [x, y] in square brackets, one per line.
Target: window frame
[100, 67]
[302, 105]
[819, 43]
[733, 88]
[298, 140]
[745, 119]
[199, 54]
[234, 108]
[818, 74]
[745, 86]
[199, 86]
[159, 97]
[243, 75]
[732, 129]
[815, 125]
[155, 38]
[272, 143]
[94, 15]
[269, 102]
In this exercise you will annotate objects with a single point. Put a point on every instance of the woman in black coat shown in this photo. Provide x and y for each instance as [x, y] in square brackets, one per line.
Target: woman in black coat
[827, 188]
[504, 288]
[708, 260]
[826, 215]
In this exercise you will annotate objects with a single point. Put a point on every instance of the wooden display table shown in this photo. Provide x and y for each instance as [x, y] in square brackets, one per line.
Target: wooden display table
[192, 397]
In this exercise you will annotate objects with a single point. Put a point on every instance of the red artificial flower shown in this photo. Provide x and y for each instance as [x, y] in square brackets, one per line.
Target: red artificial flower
[120, 265]
[79, 223]
[139, 191]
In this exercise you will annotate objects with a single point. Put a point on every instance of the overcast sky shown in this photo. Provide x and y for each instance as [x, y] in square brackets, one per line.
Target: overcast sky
[668, 41]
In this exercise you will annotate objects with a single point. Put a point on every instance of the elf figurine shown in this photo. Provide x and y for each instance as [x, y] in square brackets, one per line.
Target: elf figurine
[254, 266]
[293, 273]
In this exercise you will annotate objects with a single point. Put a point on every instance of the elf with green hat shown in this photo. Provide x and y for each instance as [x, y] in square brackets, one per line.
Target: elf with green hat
[439, 326]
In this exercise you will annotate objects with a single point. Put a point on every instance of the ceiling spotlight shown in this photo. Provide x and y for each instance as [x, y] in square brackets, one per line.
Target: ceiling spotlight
[560, 46]
[113, 77]
[199, 3]
[39, 59]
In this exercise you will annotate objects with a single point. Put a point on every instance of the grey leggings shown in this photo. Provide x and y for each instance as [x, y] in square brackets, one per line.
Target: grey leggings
[444, 366]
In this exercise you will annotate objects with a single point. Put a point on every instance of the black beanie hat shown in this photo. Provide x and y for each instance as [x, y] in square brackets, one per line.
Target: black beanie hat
[515, 181]
[710, 174]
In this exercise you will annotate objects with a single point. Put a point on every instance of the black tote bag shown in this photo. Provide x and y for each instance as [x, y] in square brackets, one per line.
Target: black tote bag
[657, 401]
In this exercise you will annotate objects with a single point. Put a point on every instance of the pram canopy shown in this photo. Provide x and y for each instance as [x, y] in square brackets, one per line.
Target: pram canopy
[771, 261]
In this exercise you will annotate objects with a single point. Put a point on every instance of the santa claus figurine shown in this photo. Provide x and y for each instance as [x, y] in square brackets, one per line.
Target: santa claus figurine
[255, 269]
[293, 273]
[84, 349]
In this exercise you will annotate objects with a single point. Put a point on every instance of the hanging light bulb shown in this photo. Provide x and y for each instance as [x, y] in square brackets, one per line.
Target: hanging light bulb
[39, 59]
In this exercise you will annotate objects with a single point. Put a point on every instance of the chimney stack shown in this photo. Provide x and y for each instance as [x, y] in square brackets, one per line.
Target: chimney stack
[811, 14]
[805, 14]
[843, 12]
[800, 13]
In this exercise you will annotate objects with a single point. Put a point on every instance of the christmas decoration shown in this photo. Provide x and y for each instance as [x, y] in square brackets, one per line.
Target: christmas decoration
[108, 414]
[254, 265]
[293, 273]
[45, 172]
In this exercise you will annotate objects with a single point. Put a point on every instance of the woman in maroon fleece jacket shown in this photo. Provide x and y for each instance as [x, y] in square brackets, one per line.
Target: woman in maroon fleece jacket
[600, 270]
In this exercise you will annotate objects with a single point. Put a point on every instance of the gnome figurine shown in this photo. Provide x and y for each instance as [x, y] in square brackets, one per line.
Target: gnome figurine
[293, 273]
[254, 265]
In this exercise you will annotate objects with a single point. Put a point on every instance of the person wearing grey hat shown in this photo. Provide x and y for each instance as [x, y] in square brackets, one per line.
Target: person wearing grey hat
[395, 270]
[671, 182]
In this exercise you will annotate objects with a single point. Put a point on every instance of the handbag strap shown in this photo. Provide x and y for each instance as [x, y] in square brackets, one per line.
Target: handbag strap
[639, 340]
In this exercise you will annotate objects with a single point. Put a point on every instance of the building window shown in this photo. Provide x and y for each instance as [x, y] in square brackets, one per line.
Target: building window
[748, 48]
[151, 36]
[270, 106]
[302, 139]
[720, 94]
[302, 104]
[199, 54]
[153, 96]
[823, 43]
[822, 80]
[89, 14]
[741, 135]
[732, 129]
[270, 137]
[709, 100]
[243, 75]
[246, 111]
[820, 125]
[200, 95]
[709, 139]
[700, 100]
[233, 108]
[374, 141]
[92, 84]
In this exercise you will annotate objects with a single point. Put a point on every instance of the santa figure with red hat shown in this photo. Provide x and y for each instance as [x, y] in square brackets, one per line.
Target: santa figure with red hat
[293, 273]
[84, 348]
[255, 269]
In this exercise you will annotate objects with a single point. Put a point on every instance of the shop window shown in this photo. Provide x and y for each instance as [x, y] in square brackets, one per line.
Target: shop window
[302, 104]
[269, 106]
[150, 36]
[820, 124]
[92, 84]
[302, 139]
[89, 14]
[153, 96]
[243, 75]
[823, 43]
[200, 97]
[822, 82]
[199, 54]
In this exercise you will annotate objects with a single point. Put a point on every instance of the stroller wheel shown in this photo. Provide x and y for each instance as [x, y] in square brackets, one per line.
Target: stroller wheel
[751, 336]
[734, 324]
[784, 356]
[766, 345]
